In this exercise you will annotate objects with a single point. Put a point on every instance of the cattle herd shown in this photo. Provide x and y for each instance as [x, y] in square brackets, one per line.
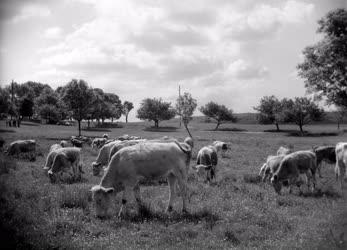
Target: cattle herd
[125, 161]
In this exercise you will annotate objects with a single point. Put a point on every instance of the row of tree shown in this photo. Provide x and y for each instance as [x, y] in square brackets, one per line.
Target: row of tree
[76, 100]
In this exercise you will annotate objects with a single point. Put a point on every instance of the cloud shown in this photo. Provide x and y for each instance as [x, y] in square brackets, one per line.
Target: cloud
[53, 33]
[264, 21]
[31, 10]
[243, 70]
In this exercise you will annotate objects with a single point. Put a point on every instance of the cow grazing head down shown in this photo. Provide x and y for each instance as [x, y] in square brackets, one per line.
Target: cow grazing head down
[276, 183]
[102, 200]
[189, 141]
[97, 167]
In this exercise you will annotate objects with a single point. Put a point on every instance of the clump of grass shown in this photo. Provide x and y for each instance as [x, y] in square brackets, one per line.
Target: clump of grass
[229, 235]
[287, 202]
[327, 192]
[75, 196]
[251, 178]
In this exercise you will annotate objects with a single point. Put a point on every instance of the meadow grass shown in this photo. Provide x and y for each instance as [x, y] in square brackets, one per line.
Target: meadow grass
[236, 210]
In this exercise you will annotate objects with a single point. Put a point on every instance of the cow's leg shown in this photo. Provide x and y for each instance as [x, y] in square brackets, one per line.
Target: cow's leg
[172, 185]
[182, 182]
[339, 173]
[137, 194]
[126, 194]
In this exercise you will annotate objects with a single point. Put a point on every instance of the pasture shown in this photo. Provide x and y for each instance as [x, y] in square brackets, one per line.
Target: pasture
[235, 211]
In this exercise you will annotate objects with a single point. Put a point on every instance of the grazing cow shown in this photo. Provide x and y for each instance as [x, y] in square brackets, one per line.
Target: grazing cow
[99, 142]
[64, 144]
[21, 146]
[147, 160]
[324, 153]
[52, 153]
[103, 157]
[207, 159]
[284, 150]
[105, 136]
[270, 167]
[65, 160]
[341, 162]
[2, 142]
[76, 142]
[292, 166]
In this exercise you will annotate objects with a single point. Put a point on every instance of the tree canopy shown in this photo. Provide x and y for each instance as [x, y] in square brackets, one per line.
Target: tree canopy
[219, 113]
[155, 110]
[127, 107]
[185, 107]
[325, 63]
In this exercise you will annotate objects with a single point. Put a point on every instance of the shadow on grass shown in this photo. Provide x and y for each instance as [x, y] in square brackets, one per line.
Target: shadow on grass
[251, 178]
[161, 129]
[329, 193]
[310, 134]
[228, 129]
[7, 131]
[145, 213]
[98, 129]
[30, 124]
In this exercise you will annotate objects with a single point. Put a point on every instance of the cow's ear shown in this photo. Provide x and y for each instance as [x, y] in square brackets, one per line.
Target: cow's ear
[109, 190]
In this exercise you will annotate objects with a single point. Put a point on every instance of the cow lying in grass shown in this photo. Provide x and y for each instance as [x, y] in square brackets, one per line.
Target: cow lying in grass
[146, 160]
[207, 159]
[21, 146]
[324, 153]
[341, 162]
[65, 161]
[292, 167]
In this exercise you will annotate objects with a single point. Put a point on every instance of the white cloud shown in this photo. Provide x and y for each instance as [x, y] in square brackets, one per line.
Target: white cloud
[53, 33]
[31, 11]
[243, 70]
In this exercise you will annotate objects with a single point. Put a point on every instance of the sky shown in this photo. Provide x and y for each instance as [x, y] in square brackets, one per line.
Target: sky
[232, 52]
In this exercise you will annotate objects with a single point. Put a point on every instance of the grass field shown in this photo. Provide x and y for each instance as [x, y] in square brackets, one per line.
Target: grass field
[233, 212]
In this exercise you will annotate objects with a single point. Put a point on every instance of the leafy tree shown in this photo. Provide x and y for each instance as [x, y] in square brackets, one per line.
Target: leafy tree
[26, 107]
[127, 107]
[218, 112]
[270, 111]
[49, 112]
[325, 63]
[49, 106]
[302, 111]
[77, 96]
[115, 105]
[185, 107]
[155, 110]
[5, 102]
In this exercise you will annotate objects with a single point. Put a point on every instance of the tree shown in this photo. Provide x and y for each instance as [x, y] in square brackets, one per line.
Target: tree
[77, 96]
[185, 107]
[340, 113]
[325, 63]
[155, 110]
[270, 111]
[302, 111]
[5, 102]
[26, 107]
[115, 105]
[218, 112]
[127, 107]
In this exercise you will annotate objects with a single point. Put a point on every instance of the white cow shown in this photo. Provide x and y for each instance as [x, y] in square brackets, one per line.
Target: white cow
[284, 150]
[21, 146]
[292, 166]
[65, 160]
[341, 162]
[270, 167]
[147, 160]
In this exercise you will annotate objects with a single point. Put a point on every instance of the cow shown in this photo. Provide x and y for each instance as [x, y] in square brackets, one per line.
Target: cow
[65, 160]
[341, 162]
[207, 160]
[76, 142]
[64, 144]
[146, 160]
[284, 150]
[99, 142]
[292, 166]
[21, 146]
[324, 153]
[270, 167]
[103, 157]
[52, 153]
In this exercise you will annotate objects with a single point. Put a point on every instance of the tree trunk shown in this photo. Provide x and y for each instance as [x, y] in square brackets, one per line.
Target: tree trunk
[156, 124]
[79, 128]
[217, 126]
[301, 130]
[338, 125]
[186, 126]
[277, 127]
[126, 118]
[88, 123]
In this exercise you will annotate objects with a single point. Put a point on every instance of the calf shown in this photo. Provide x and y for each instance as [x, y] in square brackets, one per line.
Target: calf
[294, 165]
[149, 160]
[324, 153]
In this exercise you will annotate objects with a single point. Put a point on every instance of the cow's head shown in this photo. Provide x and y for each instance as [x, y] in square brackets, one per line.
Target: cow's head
[60, 163]
[276, 183]
[189, 141]
[97, 167]
[203, 171]
[102, 200]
